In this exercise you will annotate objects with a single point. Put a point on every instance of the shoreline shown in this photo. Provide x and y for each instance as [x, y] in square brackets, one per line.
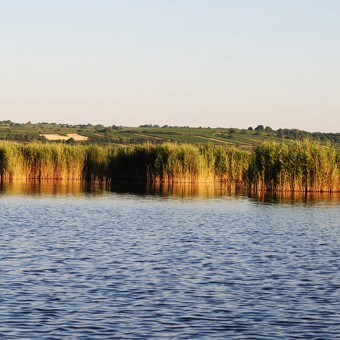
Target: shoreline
[270, 167]
[111, 184]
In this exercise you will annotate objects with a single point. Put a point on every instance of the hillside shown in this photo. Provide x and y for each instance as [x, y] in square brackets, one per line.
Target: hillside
[99, 134]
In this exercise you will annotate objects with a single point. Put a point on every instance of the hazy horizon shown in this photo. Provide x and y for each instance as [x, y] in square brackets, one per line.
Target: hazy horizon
[164, 125]
[180, 63]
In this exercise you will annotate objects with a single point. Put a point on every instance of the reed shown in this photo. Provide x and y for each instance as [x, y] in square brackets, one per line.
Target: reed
[297, 166]
[227, 164]
[178, 163]
[96, 163]
[166, 163]
[184, 163]
[41, 161]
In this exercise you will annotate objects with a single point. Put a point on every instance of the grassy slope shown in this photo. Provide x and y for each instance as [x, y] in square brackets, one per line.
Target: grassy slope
[243, 139]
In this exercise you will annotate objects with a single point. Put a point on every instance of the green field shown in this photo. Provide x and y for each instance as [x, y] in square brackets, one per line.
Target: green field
[154, 134]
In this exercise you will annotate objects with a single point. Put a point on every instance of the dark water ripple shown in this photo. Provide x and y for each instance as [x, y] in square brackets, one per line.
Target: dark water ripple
[129, 267]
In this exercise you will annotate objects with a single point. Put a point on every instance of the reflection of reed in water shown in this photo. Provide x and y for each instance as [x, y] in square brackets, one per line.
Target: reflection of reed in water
[166, 190]
[298, 197]
[201, 190]
[45, 187]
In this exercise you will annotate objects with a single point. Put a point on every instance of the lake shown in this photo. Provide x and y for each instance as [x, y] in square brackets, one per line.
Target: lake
[184, 262]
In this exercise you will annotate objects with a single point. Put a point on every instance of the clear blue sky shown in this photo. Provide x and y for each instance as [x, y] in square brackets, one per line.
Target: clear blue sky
[228, 63]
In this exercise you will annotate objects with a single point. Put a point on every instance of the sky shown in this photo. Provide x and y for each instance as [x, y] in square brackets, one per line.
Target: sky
[217, 63]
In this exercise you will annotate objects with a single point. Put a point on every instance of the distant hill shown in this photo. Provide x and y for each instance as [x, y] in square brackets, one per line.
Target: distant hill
[241, 138]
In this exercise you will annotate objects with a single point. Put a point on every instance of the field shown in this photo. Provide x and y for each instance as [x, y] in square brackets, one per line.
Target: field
[244, 139]
[58, 137]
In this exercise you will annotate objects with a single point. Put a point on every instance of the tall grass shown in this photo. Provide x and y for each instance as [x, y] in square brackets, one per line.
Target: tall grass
[41, 161]
[184, 163]
[298, 166]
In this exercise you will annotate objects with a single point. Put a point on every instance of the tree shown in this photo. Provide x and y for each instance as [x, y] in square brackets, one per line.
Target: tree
[259, 128]
[70, 141]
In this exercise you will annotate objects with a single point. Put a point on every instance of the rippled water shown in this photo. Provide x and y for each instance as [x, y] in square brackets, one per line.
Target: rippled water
[112, 266]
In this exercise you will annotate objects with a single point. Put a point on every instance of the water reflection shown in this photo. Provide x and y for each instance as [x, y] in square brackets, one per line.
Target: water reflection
[183, 190]
[187, 190]
[46, 187]
[307, 199]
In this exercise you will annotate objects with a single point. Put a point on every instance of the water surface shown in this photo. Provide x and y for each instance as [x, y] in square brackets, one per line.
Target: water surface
[182, 263]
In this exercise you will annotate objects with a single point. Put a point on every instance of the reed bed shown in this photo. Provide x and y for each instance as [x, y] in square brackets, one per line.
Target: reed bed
[41, 161]
[298, 166]
[183, 163]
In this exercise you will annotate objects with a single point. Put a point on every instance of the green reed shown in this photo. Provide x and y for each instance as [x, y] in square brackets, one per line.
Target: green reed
[298, 166]
[41, 161]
